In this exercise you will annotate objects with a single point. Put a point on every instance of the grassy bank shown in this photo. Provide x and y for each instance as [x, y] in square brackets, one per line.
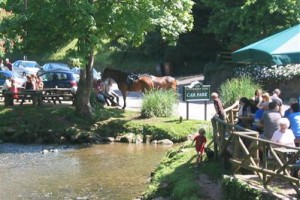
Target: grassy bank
[52, 124]
[177, 176]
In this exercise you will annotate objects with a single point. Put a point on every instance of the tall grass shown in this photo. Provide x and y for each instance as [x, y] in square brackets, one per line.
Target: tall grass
[158, 103]
[235, 88]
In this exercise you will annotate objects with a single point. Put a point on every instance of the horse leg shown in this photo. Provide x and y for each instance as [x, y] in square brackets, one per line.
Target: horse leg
[124, 93]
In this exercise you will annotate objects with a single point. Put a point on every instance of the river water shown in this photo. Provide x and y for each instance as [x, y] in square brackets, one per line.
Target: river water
[105, 171]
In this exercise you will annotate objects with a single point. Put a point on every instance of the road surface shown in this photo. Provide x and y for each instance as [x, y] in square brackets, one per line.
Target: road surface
[196, 109]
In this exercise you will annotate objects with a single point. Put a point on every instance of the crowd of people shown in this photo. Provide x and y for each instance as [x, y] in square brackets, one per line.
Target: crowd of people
[265, 113]
[105, 94]
[32, 83]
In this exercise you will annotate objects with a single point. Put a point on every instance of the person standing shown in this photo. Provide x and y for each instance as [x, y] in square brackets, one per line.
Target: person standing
[275, 98]
[218, 106]
[8, 64]
[200, 140]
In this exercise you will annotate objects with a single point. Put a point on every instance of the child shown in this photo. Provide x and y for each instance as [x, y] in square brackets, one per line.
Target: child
[200, 144]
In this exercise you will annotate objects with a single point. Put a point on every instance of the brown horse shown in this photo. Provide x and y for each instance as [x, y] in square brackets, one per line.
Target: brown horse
[165, 82]
[141, 84]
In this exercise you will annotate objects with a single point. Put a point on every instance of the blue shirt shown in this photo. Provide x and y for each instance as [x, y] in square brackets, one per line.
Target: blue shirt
[295, 123]
[258, 114]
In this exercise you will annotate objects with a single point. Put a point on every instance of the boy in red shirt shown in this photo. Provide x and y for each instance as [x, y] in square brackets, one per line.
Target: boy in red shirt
[200, 144]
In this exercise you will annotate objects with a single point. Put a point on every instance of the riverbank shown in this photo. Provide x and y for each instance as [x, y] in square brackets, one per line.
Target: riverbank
[178, 177]
[58, 124]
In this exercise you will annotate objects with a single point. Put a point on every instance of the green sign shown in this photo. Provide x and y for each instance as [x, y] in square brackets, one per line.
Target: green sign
[196, 92]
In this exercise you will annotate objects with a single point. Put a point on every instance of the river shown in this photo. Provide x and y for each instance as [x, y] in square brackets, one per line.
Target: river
[105, 171]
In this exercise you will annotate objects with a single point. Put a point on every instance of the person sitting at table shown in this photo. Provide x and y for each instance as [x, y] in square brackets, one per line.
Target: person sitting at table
[265, 99]
[29, 85]
[245, 114]
[14, 89]
[257, 117]
[289, 110]
[294, 118]
[284, 135]
[7, 85]
[39, 83]
[257, 96]
[269, 121]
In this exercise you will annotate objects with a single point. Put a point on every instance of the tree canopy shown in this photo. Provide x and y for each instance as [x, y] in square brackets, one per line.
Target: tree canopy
[239, 22]
[49, 24]
[38, 25]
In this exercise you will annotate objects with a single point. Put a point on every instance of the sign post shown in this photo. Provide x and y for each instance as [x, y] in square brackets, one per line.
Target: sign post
[196, 91]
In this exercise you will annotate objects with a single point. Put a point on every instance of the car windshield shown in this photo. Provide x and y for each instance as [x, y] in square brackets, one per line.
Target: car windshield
[52, 66]
[29, 64]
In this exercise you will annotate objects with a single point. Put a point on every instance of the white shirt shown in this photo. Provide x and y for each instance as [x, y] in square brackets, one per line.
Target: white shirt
[287, 138]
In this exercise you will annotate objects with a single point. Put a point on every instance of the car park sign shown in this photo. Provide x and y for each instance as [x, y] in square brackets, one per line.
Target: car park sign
[196, 91]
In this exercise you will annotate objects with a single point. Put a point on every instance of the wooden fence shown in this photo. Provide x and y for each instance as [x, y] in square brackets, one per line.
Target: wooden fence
[244, 149]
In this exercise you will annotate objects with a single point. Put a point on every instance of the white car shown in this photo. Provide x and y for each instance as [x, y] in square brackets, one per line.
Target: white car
[76, 73]
[25, 67]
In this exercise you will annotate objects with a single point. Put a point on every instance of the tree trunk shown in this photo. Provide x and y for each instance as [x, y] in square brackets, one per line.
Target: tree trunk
[83, 106]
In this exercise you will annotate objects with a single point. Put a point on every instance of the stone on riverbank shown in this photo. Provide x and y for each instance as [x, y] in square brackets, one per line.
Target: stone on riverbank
[108, 139]
[130, 138]
[164, 142]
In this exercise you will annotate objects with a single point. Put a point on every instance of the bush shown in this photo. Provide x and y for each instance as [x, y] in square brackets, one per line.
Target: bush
[158, 103]
[235, 88]
[268, 73]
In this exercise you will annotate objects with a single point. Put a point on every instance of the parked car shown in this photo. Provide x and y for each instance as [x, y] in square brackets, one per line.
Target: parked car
[26, 67]
[4, 74]
[58, 79]
[76, 71]
[55, 66]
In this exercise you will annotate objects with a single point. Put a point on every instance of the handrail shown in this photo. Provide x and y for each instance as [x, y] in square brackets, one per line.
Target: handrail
[241, 147]
[231, 113]
[232, 106]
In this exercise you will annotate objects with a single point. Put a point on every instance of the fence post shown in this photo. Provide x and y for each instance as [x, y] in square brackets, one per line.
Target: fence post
[215, 137]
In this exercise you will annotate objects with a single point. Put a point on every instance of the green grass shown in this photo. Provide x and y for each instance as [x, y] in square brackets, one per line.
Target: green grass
[176, 176]
[158, 103]
[27, 124]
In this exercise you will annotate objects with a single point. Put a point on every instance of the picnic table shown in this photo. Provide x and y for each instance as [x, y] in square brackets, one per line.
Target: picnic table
[33, 95]
[37, 96]
[58, 94]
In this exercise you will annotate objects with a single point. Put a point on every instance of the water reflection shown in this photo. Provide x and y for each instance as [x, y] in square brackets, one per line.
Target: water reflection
[106, 171]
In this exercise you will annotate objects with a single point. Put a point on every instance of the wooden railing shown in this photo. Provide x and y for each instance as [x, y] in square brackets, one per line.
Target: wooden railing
[242, 147]
[231, 113]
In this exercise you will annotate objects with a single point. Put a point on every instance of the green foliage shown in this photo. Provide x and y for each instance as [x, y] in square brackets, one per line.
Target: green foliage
[47, 123]
[158, 103]
[50, 25]
[234, 189]
[175, 177]
[237, 23]
[235, 88]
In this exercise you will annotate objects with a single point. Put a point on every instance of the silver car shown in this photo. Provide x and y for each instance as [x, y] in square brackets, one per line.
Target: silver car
[25, 67]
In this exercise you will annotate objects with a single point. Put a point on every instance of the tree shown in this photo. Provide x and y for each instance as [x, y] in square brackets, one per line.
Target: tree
[51, 23]
[239, 22]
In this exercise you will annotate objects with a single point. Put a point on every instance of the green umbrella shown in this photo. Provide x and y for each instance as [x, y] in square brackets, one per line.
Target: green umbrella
[279, 49]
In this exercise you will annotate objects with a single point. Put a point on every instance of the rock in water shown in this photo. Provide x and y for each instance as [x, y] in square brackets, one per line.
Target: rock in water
[165, 142]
